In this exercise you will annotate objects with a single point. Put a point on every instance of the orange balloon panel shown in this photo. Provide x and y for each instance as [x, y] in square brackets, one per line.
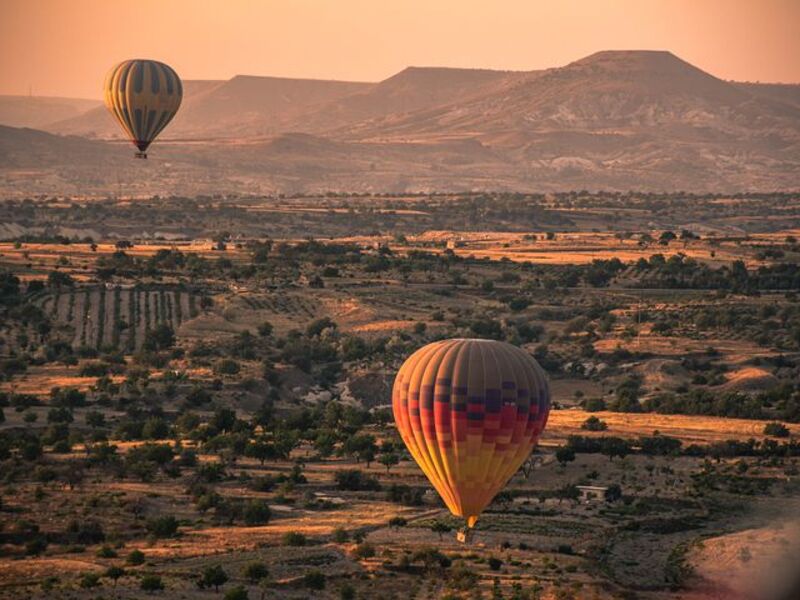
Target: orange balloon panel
[470, 412]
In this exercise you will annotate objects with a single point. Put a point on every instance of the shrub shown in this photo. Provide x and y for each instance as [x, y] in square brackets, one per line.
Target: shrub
[236, 593]
[613, 493]
[89, 580]
[85, 532]
[594, 404]
[397, 522]
[227, 366]
[114, 573]
[257, 512]
[594, 424]
[255, 571]
[163, 527]
[340, 535]
[106, 551]
[314, 580]
[355, 480]
[294, 538]
[440, 528]
[151, 583]
[494, 563]
[364, 550]
[564, 455]
[136, 557]
[776, 429]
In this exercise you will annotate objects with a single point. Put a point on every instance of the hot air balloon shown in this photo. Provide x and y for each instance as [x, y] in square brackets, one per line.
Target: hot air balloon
[143, 96]
[470, 412]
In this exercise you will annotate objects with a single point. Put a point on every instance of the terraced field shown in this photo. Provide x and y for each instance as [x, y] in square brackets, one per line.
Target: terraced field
[102, 317]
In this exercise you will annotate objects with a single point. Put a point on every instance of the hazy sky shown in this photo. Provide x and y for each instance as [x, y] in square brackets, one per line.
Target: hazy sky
[65, 47]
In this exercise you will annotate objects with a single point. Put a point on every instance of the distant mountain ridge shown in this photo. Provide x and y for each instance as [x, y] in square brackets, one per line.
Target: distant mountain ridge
[41, 111]
[614, 120]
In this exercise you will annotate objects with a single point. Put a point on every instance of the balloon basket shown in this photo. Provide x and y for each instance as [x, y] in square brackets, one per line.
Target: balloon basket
[464, 535]
[141, 155]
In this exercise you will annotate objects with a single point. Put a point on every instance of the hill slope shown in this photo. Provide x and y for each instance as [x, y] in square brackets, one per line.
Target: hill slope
[27, 111]
[613, 120]
[242, 106]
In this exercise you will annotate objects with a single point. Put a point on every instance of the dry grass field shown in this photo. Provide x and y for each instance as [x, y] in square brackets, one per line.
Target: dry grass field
[192, 381]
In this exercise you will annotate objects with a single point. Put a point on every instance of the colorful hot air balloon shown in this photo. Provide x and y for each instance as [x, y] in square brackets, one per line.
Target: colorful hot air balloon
[143, 95]
[470, 413]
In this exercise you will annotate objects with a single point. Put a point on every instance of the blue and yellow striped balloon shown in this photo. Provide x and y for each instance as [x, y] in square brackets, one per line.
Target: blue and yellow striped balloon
[143, 96]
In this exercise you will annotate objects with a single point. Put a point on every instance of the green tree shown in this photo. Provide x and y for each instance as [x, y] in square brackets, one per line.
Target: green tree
[564, 455]
[613, 493]
[388, 460]
[257, 512]
[213, 576]
[114, 573]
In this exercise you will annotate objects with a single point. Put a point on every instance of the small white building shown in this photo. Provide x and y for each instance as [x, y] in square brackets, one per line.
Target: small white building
[592, 492]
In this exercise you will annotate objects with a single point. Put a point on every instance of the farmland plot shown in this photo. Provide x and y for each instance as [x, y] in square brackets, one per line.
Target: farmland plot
[117, 318]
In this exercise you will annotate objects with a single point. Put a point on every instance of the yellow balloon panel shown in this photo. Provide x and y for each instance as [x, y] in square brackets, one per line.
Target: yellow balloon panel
[470, 412]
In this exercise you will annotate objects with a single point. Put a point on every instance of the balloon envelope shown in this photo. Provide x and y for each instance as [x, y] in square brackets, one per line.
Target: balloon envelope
[143, 96]
[470, 412]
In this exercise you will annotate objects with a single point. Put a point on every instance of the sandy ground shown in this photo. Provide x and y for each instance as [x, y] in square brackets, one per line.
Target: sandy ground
[750, 564]
[689, 429]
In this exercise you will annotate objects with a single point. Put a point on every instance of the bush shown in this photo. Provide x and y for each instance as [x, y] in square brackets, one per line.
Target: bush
[363, 551]
[236, 593]
[354, 480]
[294, 538]
[136, 557]
[106, 551]
[397, 522]
[114, 573]
[660, 445]
[594, 404]
[494, 563]
[163, 527]
[594, 424]
[85, 532]
[151, 583]
[227, 366]
[404, 494]
[314, 580]
[565, 454]
[89, 580]
[257, 512]
[340, 535]
[776, 429]
[255, 571]
[35, 546]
